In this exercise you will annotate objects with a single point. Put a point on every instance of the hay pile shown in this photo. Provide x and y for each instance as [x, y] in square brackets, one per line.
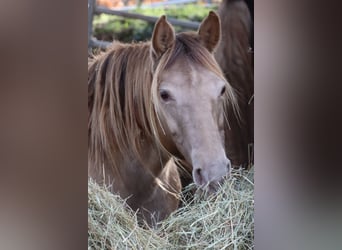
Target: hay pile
[223, 221]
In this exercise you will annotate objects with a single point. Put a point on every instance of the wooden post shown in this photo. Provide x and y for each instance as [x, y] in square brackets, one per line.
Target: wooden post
[91, 8]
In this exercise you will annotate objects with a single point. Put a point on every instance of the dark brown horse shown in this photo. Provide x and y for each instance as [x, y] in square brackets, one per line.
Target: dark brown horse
[151, 101]
[235, 58]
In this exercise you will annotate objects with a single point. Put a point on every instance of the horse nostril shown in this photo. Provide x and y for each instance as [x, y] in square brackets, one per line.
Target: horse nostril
[198, 176]
[201, 177]
[229, 166]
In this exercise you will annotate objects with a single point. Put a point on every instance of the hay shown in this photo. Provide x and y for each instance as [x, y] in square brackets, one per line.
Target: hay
[223, 221]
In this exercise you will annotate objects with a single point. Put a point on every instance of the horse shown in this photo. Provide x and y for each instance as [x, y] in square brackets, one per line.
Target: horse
[152, 102]
[234, 54]
[235, 58]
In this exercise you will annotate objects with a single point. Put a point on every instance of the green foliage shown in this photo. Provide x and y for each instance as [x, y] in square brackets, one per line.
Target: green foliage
[109, 28]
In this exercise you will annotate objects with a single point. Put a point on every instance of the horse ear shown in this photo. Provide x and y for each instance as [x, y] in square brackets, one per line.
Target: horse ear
[210, 31]
[163, 37]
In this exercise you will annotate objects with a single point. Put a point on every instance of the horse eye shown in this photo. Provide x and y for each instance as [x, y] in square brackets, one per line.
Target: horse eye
[165, 96]
[223, 90]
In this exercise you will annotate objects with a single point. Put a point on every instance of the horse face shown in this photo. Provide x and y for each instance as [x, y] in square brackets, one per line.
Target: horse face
[191, 101]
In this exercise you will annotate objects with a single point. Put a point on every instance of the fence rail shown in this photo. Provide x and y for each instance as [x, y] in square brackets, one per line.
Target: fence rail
[158, 4]
[93, 9]
[151, 19]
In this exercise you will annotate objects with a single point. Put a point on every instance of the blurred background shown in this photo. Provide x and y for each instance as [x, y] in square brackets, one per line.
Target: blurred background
[133, 20]
[43, 129]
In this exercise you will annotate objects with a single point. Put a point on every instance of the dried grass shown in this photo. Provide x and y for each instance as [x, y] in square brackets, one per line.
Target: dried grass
[222, 221]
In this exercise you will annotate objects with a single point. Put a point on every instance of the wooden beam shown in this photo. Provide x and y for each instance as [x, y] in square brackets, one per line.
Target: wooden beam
[91, 7]
[151, 19]
[98, 44]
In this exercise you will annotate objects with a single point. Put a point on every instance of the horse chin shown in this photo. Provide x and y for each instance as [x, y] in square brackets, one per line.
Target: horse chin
[212, 187]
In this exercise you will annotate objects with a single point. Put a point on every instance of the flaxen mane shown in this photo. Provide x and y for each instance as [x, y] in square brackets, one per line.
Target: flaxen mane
[122, 96]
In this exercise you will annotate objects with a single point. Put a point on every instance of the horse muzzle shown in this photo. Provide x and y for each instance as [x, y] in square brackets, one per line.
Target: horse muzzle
[210, 177]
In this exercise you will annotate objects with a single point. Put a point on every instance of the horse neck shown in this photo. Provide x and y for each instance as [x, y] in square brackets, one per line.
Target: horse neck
[138, 176]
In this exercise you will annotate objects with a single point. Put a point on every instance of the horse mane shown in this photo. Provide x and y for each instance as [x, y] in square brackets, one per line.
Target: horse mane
[123, 96]
[118, 102]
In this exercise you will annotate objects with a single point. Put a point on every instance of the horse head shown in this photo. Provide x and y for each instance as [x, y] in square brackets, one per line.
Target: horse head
[188, 92]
